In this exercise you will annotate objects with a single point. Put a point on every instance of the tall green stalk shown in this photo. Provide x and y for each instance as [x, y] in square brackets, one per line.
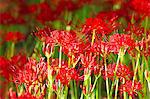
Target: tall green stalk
[107, 83]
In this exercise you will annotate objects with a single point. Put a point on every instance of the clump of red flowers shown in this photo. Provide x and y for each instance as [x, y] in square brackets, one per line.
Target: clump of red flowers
[123, 72]
[14, 37]
[65, 75]
[10, 67]
[131, 88]
[141, 6]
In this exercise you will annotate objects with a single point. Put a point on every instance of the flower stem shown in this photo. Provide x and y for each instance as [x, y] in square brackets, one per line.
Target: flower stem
[124, 94]
[60, 55]
[72, 90]
[49, 79]
[136, 67]
[95, 83]
[93, 37]
[75, 90]
[107, 84]
[116, 90]
[135, 71]
[145, 25]
[66, 92]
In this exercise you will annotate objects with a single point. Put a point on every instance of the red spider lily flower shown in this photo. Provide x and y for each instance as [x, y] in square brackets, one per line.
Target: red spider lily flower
[27, 9]
[66, 74]
[32, 8]
[130, 88]
[144, 46]
[33, 71]
[46, 13]
[4, 64]
[25, 95]
[123, 72]
[70, 43]
[141, 6]
[14, 37]
[121, 40]
[19, 61]
[42, 33]
[32, 76]
[89, 64]
[9, 68]
[132, 29]
[97, 24]
[7, 19]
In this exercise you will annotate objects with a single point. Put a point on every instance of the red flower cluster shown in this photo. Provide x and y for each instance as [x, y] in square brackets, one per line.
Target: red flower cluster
[130, 88]
[138, 31]
[7, 19]
[66, 74]
[14, 36]
[46, 13]
[4, 63]
[68, 40]
[123, 72]
[119, 41]
[25, 95]
[33, 71]
[32, 76]
[97, 24]
[89, 64]
[141, 6]
[9, 68]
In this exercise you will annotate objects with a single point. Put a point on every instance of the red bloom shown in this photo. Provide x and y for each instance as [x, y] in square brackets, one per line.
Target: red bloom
[141, 6]
[66, 74]
[9, 68]
[138, 31]
[89, 64]
[130, 88]
[14, 36]
[46, 13]
[4, 64]
[33, 71]
[68, 40]
[97, 24]
[7, 18]
[121, 40]
[19, 61]
[25, 95]
[122, 72]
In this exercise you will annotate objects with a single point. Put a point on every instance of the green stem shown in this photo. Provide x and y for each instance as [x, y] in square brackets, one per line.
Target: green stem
[107, 84]
[60, 55]
[136, 67]
[117, 63]
[145, 25]
[49, 79]
[135, 71]
[81, 96]
[111, 90]
[12, 49]
[116, 90]
[148, 85]
[86, 83]
[95, 83]
[75, 90]
[124, 94]
[66, 92]
[93, 37]
[71, 89]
